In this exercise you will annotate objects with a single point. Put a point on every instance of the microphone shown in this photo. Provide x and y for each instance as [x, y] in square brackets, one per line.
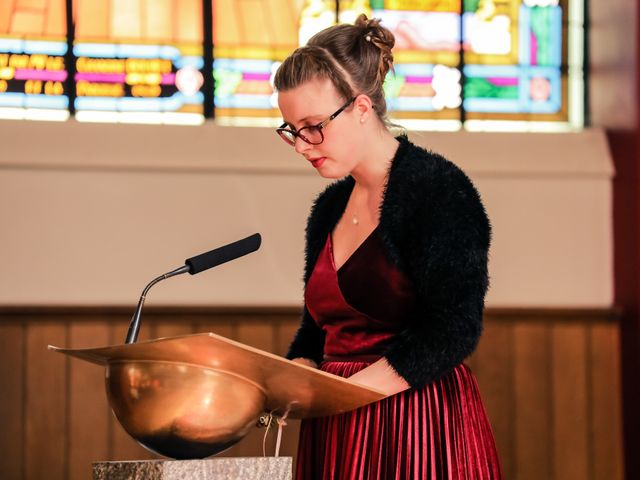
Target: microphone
[221, 255]
[194, 265]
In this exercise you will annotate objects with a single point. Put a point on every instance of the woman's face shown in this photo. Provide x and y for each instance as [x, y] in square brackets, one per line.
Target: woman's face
[311, 103]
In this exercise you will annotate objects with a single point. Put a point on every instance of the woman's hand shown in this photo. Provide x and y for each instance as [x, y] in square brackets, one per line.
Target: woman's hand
[380, 376]
[307, 362]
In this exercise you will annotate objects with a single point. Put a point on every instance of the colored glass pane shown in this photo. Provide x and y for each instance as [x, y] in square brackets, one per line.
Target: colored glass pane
[250, 40]
[139, 60]
[515, 61]
[32, 63]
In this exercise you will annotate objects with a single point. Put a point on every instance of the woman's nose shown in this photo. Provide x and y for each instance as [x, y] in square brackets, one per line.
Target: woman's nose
[301, 146]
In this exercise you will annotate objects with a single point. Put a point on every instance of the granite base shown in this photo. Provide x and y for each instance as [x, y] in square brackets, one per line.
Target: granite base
[241, 468]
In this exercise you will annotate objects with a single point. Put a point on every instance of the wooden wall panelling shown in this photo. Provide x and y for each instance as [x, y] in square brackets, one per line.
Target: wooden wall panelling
[45, 448]
[493, 365]
[533, 422]
[225, 327]
[12, 380]
[172, 325]
[570, 401]
[286, 330]
[256, 332]
[550, 382]
[605, 407]
[89, 413]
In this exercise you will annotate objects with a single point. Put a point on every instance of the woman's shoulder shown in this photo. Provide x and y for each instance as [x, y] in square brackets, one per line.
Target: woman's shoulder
[434, 192]
[425, 175]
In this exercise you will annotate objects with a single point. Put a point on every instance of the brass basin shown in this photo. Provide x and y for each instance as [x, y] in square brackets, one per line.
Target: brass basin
[193, 396]
[181, 410]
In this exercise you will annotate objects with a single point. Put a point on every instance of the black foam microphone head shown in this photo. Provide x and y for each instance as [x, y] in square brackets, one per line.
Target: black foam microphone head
[224, 254]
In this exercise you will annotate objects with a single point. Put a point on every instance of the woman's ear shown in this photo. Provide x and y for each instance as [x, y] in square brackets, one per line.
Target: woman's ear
[364, 107]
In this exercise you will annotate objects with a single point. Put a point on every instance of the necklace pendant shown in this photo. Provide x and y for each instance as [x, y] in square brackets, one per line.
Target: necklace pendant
[354, 220]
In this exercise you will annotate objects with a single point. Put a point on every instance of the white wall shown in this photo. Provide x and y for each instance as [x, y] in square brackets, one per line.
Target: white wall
[89, 213]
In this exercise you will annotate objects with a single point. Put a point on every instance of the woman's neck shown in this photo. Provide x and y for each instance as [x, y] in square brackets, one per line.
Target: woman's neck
[371, 172]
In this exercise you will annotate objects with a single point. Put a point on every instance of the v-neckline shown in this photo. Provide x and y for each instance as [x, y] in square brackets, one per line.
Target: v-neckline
[333, 258]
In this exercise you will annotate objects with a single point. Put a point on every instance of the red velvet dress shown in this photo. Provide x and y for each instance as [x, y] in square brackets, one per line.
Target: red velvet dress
[438, 432]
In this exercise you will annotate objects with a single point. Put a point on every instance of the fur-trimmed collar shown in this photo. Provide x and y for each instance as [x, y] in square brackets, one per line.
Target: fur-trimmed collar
[407, 179]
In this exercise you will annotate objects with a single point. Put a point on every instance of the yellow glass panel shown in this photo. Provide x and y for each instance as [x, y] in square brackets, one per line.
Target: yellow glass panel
[55, 21]
[92, 19]
[425, 56]
[247, 112]
[225, 24]
[5, 17]
[125, 20]
[424, 5]
[255, 24]
[266, 29]
[25, 23]
[261, 53]
[284, 17]
[35, 18]
[157, 19]
[188, 21]
[31, 5]
[164, 21]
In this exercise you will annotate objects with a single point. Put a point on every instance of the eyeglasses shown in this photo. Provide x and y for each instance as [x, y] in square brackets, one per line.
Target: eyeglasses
[313, 133]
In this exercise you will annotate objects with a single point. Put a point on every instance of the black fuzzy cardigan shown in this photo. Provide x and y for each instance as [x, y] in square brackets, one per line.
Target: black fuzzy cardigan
[435, 230]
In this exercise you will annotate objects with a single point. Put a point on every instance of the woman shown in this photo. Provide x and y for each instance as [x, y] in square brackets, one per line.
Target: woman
[396, 273]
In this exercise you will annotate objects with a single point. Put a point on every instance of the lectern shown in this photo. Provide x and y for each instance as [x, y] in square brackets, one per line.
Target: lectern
[191, 397]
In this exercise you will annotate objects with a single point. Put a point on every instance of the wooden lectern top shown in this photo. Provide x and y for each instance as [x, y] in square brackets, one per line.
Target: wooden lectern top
[291, 388]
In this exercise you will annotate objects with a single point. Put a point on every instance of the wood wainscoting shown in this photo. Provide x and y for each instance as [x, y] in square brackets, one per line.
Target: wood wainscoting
[550, 381]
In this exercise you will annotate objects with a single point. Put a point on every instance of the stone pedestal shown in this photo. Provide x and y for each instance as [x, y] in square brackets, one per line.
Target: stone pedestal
[273, 468]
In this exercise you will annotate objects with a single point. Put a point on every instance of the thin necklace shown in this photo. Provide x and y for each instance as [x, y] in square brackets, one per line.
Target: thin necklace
[354, 217]
[354, 214]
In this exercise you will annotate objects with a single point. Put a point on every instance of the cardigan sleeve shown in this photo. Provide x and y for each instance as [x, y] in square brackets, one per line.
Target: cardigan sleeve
[446, 255]
[308, 341]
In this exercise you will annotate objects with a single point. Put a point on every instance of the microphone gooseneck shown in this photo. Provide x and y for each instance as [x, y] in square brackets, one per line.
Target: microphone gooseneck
[194, 265]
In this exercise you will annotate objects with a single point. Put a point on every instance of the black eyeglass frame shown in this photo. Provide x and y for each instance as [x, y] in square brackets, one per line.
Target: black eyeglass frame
[319, 126]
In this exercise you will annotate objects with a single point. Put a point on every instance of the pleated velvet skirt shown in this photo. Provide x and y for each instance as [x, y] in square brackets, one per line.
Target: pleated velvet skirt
[438, 432]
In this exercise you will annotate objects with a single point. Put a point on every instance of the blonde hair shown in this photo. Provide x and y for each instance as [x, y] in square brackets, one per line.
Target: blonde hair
[355, 58]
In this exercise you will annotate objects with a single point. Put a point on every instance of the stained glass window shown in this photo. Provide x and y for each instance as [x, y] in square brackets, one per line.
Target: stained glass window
[33, 43]
[516, 63]
[473, 64]
[139, 60]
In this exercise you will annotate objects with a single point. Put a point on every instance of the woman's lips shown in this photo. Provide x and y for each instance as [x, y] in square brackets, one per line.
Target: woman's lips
[317, 162]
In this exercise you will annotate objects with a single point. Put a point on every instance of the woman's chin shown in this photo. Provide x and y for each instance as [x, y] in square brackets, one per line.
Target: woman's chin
[329, 170]
[331, 174]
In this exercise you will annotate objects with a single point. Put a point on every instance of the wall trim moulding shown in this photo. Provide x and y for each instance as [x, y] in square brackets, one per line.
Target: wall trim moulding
[214, 148]
[32, 313]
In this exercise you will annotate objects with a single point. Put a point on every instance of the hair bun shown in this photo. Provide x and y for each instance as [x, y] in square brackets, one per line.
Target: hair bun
[372, 26]
[381, 37]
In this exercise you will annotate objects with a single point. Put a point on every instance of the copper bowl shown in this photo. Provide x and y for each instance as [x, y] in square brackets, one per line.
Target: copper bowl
[180, 410]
